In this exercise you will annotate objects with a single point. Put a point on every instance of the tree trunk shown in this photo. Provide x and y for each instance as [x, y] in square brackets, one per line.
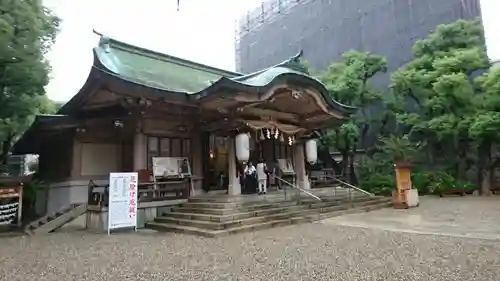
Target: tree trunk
[352, 173]
[461, 168]
[486, 183]
[6, 146]
[345, 165]
[485, 168]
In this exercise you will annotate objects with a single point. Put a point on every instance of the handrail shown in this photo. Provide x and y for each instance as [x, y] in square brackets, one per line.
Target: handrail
[298, 188]
[350, 185]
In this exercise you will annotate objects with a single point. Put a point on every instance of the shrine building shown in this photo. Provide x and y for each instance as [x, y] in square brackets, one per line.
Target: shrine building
[139, 108]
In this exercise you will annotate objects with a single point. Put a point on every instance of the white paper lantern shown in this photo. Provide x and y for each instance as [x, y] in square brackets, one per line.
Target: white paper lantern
[311, 151]
[242, 142]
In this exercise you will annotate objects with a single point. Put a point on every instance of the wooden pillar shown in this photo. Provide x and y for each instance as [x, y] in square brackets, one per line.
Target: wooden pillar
[76, 159]
[197, 161]
[140, 153]
[234, 187]
[300, 166]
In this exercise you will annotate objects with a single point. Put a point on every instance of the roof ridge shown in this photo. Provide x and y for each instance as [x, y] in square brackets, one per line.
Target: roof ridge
[288, 63]
[162, 56]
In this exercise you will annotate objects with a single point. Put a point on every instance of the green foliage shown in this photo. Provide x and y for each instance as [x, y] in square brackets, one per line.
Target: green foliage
[438, 81]
[485, 124]
[441, 182]
[379, 184]
[439, 96]
[441, 112]
[431, 182]
[348, 81]
[30, 191]
[27, 31]
[399, 149]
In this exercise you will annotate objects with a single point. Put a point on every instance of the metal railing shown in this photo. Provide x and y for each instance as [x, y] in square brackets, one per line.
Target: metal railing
[350, 185]
[297, 188]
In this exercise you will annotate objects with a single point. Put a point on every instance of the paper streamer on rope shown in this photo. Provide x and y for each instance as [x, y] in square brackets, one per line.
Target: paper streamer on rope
[7, 222]
[9, 206]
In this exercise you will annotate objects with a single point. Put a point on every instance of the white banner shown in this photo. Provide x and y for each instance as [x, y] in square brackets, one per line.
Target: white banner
[122, 206]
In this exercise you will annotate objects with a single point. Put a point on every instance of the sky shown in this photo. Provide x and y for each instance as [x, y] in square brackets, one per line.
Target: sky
[202, 31]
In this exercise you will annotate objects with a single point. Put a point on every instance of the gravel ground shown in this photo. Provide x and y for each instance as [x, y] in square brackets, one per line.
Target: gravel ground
[306, 252]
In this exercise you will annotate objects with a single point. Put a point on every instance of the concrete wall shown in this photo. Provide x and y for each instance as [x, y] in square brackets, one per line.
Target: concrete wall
[325, 29]
[61, 194]
[99, 159]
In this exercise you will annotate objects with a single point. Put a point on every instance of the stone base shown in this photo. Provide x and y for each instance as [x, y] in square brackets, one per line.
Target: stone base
[97, 218]
[221, 215]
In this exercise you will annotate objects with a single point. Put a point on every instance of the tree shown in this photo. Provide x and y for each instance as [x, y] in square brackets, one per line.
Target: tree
[438, 90]
[349, 82]
[27, 31]
[484, 128]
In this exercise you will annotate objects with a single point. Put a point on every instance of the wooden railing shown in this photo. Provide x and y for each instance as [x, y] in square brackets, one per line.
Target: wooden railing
[168, 189]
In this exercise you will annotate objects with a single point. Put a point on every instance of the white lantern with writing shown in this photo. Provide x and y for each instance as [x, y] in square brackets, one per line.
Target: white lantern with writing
[311, 151]
[242, 143]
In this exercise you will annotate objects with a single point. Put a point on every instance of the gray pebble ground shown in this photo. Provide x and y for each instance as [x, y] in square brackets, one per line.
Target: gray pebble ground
[318, 251]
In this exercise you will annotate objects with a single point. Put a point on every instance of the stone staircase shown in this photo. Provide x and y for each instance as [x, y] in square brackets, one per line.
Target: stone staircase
[213, 216]
[52, 222]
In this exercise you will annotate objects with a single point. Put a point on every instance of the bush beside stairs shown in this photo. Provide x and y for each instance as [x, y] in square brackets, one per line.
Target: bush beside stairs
[217, 216]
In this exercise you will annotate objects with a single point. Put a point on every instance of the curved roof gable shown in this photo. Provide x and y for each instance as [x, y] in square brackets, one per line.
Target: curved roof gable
[154, 69]
[172, 75]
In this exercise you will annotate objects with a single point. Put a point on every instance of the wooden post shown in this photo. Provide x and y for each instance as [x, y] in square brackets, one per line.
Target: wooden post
[403, 183]
[20, 205]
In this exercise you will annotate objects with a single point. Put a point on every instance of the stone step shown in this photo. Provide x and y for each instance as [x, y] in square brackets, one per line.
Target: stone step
[189, 229]
[237, 210]
[261, 202]
[366, 208]
[222, 215]
[215, 233]
[246, 207]
[217, 225]
[274, 196]
[240, 200]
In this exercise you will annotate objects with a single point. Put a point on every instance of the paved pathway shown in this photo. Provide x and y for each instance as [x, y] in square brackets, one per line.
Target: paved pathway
[319, 251]
[473, 217]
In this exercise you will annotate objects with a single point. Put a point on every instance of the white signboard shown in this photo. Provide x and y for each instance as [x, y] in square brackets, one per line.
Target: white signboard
[122, 207]
[171, 167]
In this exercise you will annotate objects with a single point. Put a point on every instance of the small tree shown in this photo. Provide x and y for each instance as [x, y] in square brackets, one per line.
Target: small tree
[400, 149]
[349, 82]
[439, 91]
[27, 31]
[484, 128]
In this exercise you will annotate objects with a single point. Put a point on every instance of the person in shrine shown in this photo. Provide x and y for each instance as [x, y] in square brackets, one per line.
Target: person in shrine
[185, 171]
[274, 171]
[250, 178]
[261, 172]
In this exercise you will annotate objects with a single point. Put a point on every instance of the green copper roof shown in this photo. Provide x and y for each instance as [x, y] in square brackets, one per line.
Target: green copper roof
[292, 66]
[156, 70]
[176, 75]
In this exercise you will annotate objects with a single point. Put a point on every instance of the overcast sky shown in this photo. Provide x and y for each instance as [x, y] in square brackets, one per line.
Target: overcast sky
[203, 31]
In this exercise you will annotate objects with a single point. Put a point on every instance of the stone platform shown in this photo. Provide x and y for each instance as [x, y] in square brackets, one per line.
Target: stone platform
[218, 214]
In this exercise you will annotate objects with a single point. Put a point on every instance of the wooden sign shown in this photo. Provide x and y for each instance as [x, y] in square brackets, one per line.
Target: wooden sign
[12, 208]
[10, 192]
